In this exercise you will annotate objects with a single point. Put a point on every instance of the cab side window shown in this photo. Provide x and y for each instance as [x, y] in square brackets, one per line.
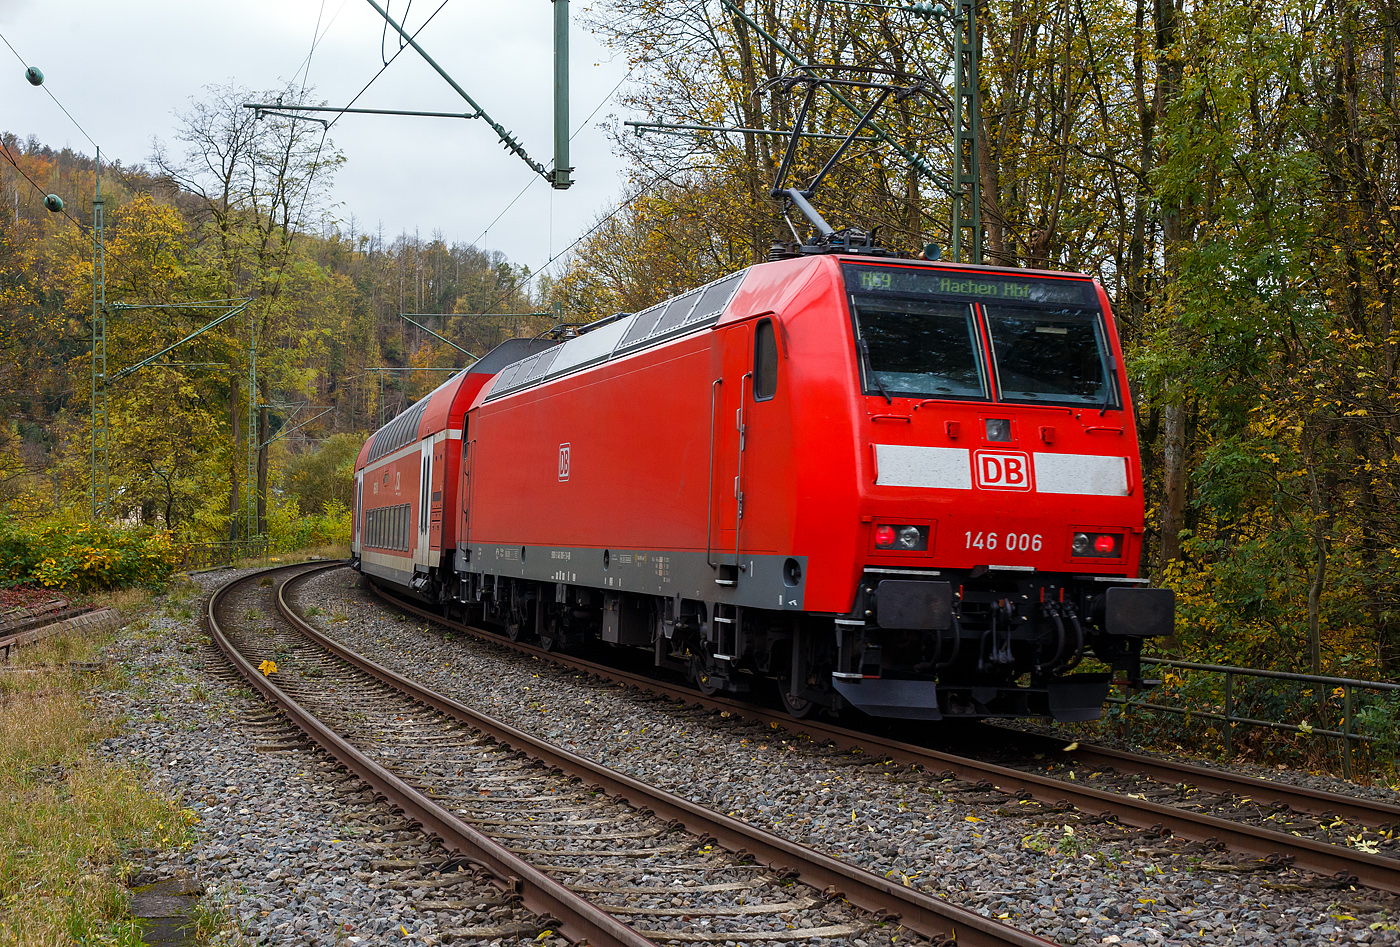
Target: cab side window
[765, 362]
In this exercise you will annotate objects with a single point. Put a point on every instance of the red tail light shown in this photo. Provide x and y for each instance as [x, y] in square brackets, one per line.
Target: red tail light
[901, 537]
[1097, 545]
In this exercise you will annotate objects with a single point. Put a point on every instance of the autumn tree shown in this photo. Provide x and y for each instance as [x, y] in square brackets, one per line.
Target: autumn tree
[257, 180]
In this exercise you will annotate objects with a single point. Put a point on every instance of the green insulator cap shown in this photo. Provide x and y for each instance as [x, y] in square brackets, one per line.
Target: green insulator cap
[34, 76]
[54, 203]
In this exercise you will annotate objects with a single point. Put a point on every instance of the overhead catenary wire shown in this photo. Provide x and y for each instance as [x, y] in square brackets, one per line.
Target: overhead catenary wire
[51, 95]
[10, 158]
[317, 36]
[516, 287]
[533, 179]
[326, 127]
[384, 34]
[390, 62]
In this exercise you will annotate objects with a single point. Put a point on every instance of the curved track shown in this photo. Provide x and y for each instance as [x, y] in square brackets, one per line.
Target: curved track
[425, 753]
[1263, 799]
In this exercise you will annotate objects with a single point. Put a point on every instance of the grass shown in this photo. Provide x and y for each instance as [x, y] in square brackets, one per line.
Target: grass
[208, 919]
[69, 819]
[339, 551]
[124, 600]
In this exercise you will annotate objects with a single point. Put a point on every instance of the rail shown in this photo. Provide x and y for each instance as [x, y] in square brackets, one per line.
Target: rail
[1372, 870]
[922, 913]
[1227, 718]
[577, 918]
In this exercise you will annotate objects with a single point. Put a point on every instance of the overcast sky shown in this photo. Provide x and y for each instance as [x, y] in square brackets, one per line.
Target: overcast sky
[123, 69]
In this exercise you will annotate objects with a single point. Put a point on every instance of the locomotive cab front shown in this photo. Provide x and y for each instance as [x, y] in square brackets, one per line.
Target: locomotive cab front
[999, 502]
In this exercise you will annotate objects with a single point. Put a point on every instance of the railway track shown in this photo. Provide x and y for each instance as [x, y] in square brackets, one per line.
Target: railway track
[598, 855]
[1266, 794]
[1184, 791]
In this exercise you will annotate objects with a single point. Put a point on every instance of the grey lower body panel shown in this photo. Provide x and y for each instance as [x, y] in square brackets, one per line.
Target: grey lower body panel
[754, 581]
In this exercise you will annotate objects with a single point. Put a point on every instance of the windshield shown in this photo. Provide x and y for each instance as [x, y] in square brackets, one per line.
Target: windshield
[1048, 355]
[918, 347]
[919, 333]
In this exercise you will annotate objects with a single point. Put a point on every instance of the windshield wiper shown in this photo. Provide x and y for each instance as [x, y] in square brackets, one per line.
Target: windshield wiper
[870, 368]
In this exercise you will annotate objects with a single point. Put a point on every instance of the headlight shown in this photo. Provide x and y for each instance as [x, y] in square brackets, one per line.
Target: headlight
[998, 429]
[901, 537]
[1097, 545]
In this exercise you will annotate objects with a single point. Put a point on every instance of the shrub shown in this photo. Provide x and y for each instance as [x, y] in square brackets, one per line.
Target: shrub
[84, 557]
[325, 477]
[290, 529]
[18, 555]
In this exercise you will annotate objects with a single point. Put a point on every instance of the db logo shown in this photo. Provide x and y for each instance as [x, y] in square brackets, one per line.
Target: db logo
[563, 461]
[1002, 470]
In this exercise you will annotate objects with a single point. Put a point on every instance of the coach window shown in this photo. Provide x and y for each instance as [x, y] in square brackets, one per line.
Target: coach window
[765, 362]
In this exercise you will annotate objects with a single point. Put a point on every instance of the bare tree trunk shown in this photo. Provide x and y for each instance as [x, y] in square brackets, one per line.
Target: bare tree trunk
[1174, 481]
[1320, 529]
[1175, 232]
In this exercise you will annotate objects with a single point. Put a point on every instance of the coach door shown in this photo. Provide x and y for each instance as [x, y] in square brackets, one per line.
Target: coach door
[727, 430]
[439, 473]
[425, 474]
[357, 539]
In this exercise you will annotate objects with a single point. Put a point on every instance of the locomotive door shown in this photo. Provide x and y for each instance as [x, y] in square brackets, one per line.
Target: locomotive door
[727, 499]
[464, 494]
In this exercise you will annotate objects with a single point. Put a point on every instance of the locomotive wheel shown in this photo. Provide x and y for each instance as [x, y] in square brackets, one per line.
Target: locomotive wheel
[552, 634]
[514, 630]
[702, 677]
[799, 707]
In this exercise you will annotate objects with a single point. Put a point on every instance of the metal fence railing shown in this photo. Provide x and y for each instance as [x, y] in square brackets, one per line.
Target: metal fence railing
[196, 556]
[1221, 704]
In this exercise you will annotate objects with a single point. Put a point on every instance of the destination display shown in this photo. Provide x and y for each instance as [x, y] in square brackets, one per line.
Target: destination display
[974, 287]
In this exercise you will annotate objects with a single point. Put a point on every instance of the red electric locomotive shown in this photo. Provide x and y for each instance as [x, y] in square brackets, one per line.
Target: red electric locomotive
[908, 487]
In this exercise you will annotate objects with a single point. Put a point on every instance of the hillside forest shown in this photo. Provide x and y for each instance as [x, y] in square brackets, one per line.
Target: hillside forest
[1228, 169]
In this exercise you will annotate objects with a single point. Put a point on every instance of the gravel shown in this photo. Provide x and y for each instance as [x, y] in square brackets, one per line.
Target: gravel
[660, 881]
[286, 849]
[1377, 791]
[1064, 875]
